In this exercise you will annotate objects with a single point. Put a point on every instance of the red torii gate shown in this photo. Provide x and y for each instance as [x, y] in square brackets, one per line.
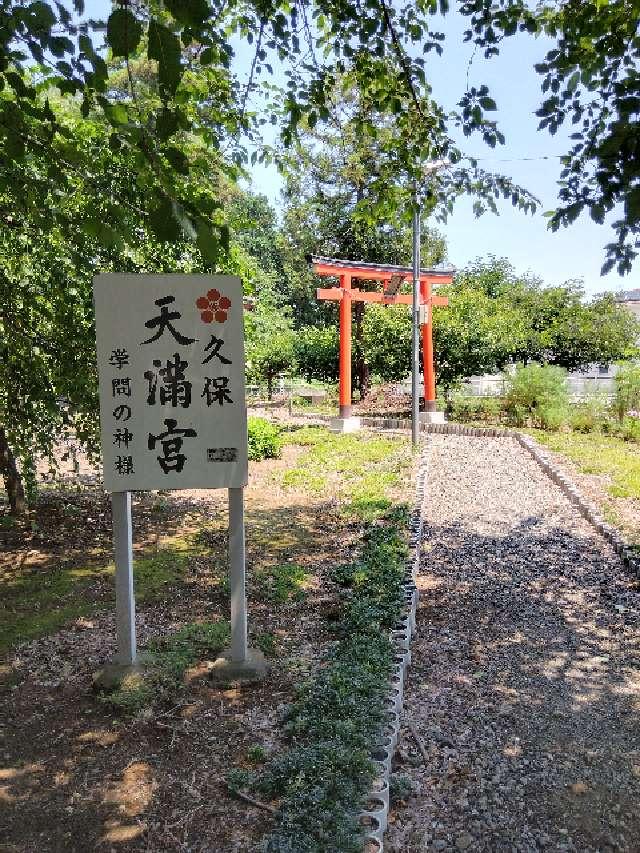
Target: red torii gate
[345, 294]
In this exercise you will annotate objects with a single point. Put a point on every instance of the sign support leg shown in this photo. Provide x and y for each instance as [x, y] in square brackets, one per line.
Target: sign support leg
[125, 601]
[237, 576]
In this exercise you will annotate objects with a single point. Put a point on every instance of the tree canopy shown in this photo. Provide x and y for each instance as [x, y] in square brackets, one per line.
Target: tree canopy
[589, 77]
[496, 317]
[122, 143]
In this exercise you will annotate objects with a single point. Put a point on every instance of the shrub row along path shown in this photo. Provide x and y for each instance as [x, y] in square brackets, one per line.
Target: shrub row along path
[525, 682]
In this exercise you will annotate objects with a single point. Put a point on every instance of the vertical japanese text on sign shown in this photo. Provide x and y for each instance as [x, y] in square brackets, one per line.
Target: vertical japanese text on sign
[171, 371]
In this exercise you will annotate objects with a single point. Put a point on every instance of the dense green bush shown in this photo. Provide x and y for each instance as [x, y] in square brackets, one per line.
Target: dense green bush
[627, 390]
[265, 441]
[316, 352]
[629, 429]
[591, 413]
[538, 395]
[467, 408]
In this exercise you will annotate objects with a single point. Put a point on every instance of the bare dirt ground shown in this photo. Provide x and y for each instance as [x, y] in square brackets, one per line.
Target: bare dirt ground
[77, 776]
[525, 684]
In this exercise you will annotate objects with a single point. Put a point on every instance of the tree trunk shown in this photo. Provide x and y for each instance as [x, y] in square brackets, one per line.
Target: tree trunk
[269, 387]
[12, 478]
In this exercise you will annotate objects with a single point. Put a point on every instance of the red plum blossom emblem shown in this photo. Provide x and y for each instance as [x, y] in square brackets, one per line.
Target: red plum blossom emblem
[213, 306]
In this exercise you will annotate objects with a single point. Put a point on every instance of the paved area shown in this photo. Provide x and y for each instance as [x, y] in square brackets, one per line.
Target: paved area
[525, 683]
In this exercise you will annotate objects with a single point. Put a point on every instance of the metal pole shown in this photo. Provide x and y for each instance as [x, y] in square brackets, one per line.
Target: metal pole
[415, 327]
[237, 576]
[125, 600]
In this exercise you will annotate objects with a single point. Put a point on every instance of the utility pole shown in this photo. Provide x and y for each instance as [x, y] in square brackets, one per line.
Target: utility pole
[429, 169]
[415, 325]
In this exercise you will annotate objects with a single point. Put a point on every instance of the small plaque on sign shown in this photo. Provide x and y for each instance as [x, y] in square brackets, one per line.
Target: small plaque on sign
[171, 373]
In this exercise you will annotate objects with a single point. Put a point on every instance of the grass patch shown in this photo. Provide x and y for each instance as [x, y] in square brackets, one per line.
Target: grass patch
[167, 660]
[282, 583]
[337, 714]
[38, 603]
[613, 458]
[369, 469]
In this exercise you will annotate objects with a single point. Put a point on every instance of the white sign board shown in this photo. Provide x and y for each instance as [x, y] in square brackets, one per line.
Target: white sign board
[171, 373]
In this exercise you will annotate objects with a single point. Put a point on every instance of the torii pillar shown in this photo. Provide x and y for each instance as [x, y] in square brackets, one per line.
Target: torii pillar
[345, 294]
[344, 411]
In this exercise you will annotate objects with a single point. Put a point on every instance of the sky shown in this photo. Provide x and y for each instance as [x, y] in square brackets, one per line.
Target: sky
[573, 253]
[529, 157]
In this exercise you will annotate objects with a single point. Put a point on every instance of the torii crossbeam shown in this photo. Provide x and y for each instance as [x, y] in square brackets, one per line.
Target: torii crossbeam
[345, 294]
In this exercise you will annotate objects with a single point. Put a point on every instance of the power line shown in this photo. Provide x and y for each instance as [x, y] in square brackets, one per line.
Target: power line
[514, 159]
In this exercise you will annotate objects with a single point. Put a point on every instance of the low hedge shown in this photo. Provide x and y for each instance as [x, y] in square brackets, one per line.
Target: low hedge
[265, 441]
[325, 775]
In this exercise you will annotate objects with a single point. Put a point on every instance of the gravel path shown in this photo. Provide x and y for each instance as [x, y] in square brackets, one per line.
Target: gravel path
[525, 682]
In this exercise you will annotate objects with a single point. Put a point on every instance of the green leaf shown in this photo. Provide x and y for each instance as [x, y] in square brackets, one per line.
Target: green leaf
[41, 18]
[14, 145]
[116, 113]
[124, 32]
[102, 232]
[164, 223]
[488, 104]
[192, 13]
[178, 159]
[17, 84]
[164, 46]
[207, 242]
[632, 205]
[167, 123]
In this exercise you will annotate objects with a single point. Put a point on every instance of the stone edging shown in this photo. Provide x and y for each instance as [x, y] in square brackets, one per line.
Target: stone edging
[375, 817]
[586, 508]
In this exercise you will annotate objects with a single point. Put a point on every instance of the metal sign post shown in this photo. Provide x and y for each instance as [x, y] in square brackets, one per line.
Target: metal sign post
[237, 577]
[125, 601]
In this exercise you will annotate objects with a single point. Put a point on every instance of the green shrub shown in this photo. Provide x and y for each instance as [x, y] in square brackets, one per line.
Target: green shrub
[267, 644]
[627, 398]
[492, 408]
[538, 395]
[465, 408]
[325, 774]
[552, 417]
[630, 429]
[470, 408]
[265, 441]
[591, 414]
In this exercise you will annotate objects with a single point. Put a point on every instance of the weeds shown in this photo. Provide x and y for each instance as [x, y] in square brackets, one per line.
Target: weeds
[257, 754]
[282, 583]
[166, 662]
[369, 471]
[267, 644]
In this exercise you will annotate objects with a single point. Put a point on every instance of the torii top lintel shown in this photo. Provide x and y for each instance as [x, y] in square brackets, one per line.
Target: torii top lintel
[376, 272]
[345, 294]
